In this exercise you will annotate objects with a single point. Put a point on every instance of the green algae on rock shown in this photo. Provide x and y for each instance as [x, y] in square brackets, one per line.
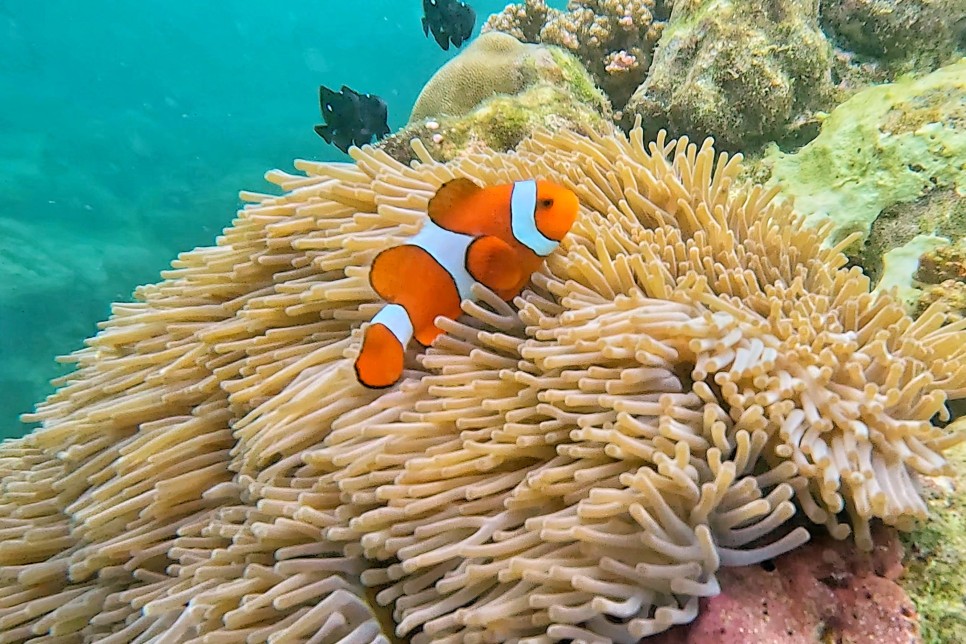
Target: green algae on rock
[501, 123]
[935, 575]
[886, 145]
[900, 263]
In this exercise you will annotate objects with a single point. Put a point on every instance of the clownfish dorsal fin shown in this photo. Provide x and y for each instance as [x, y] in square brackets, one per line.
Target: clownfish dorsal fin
[447, 200]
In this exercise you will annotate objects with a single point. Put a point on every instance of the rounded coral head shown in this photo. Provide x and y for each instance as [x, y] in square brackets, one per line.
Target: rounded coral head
[556, 209]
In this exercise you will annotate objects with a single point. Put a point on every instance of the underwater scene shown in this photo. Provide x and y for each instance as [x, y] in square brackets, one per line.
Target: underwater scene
[603, 321]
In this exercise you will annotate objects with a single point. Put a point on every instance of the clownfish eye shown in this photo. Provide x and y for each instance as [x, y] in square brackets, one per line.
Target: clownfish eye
[546, 203]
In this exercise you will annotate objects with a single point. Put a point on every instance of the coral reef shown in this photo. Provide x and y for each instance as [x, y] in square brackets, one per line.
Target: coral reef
[524, 21]
[935, 562]
[935, 217]
[903, 34]
[899, 265]
[941, 274]
[742, 71]
[746, 72]
[688, 373]
[482, 99]
[886, 146]
[825, 591]
[947, 262]
[615, 39]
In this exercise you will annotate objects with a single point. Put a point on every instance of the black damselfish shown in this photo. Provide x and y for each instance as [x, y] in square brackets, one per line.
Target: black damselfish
[351, 118]
[449, 20]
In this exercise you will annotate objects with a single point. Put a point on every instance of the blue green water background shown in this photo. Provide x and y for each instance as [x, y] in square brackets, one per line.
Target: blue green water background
[127, 129]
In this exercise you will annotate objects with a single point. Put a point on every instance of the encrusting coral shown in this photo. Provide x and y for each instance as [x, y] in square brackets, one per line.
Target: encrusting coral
[824, 591]
[691, 369]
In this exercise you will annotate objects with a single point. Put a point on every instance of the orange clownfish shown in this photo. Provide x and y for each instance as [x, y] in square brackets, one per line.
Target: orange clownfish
[497, 236]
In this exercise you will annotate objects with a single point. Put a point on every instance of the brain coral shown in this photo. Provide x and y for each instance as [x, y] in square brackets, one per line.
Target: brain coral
[495, 94]
[494, 63]
[688, 372]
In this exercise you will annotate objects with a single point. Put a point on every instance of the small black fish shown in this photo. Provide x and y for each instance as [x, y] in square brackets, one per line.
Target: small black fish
[351, 118]
[449, 20]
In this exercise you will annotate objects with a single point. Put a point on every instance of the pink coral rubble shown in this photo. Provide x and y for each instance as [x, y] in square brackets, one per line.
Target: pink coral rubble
[826, 590]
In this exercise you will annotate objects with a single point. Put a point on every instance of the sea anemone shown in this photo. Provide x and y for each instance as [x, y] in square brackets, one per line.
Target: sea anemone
[688, 373]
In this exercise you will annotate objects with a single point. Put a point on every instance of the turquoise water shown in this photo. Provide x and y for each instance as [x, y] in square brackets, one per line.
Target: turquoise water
[127, 129]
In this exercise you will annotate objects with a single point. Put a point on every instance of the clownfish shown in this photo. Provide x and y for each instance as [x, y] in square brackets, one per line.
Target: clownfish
[497, 236]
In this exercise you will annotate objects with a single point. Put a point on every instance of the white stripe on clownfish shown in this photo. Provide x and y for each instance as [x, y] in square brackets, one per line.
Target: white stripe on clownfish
[396, 318]
[523, 221]
[449, 251]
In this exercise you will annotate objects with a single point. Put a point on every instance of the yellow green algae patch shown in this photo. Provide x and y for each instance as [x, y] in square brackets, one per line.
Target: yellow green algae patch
[900, 263]
[886, 145]
[935, 575]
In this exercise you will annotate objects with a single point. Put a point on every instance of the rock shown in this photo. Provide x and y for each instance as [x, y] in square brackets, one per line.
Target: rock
[743, 71]
[940, 213]
[903, 33]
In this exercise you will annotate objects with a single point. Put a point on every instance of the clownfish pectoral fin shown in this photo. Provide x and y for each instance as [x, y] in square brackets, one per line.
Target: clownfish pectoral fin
[448, 198]
[380, 361]
[493, 263]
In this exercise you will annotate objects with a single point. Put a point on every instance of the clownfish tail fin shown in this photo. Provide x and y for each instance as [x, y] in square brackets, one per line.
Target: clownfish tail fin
[381, 357]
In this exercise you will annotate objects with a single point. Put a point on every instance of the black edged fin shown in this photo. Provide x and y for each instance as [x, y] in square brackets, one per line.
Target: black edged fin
[493, 263]
[384, 274]
[448, 198]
